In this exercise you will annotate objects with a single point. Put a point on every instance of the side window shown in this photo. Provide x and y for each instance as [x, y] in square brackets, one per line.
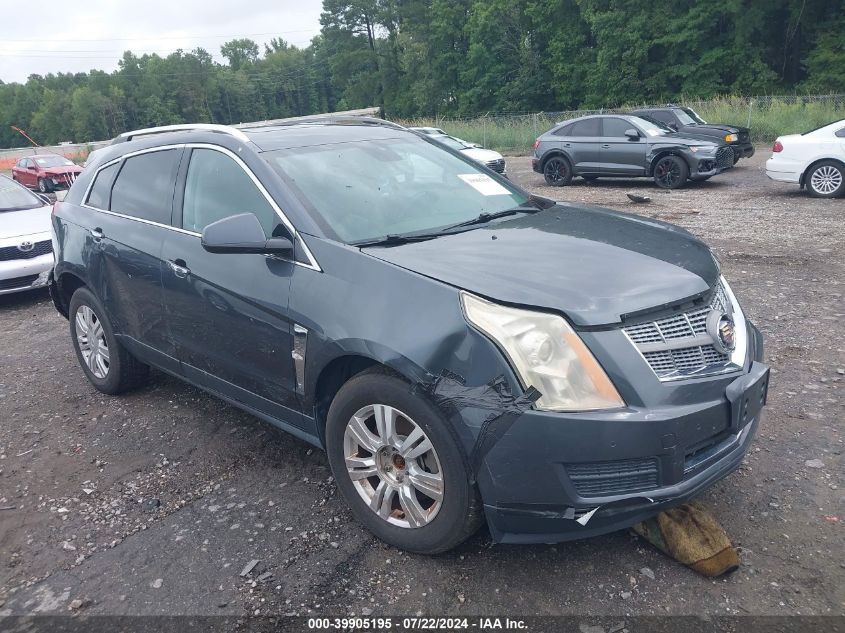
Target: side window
[664, 117]
[144, 186]
[23, 163]
[563, 131]
[612, 126]
[217, 187]
[101, 189]
[587, 127]
[841, 133]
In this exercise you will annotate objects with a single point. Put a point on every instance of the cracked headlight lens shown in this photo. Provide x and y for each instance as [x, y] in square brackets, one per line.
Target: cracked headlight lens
[547, 354]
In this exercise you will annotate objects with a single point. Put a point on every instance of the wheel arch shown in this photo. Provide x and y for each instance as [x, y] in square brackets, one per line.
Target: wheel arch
[802, 180]
[552, 153]
[66, 284]
[342, 368]
[669, 151]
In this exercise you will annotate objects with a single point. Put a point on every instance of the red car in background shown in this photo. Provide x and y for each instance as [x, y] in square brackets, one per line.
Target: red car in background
[46, 172]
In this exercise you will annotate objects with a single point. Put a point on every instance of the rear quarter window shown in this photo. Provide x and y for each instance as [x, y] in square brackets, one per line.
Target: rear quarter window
[563, 130]
[144, 187]
[101, 189]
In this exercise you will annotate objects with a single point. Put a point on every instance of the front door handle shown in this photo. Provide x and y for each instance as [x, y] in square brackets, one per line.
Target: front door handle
[97, 234]
[606, 146]
[179, 267]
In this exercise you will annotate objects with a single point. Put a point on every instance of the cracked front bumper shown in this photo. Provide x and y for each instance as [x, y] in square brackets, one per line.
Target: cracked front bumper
[552, 469]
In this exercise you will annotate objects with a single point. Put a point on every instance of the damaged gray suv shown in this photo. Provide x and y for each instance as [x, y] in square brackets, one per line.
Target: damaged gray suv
[465, 352]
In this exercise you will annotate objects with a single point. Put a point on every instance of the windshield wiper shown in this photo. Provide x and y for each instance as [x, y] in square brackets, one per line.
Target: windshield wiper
[395, 240]
[484, 218]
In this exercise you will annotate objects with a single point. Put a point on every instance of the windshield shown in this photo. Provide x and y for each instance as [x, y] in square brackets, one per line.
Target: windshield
[14, 197]
[53, 161]
[650, 126]
[369, 189]
[688, 116]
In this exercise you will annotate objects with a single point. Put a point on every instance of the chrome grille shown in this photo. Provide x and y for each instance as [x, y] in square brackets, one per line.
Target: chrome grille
[497, 165]
[8, 253]
[661, 342]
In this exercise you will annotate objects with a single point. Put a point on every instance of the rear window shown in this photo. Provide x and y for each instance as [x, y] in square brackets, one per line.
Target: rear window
[144, 186]
[101, 189]
[563, 130]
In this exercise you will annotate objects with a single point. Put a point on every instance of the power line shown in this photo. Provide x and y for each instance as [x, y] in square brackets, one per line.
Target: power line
[175, 37]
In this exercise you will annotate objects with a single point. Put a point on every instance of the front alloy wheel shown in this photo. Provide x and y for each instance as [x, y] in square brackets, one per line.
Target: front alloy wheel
[393, 466]
[400, 465]
[670, 172]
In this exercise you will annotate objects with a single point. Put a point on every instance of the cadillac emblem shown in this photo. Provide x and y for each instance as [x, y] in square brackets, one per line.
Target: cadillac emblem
[25, 247]
[720, 327]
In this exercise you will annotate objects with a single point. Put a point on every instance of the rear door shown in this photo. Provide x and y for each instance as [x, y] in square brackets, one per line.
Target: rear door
[583, 145]
[229, 312]
[135, 199]
[621, 154]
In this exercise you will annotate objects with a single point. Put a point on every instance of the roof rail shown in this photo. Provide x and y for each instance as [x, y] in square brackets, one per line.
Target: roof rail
[183, 127]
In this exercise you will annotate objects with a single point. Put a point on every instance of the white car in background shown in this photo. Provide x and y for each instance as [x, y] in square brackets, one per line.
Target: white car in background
[487, 157]
[26, 246]
[814, 159]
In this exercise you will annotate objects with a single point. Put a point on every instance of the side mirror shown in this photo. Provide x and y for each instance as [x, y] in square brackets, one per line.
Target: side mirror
[632, 134]
[242, 234]
[674, 126]
[46, 199]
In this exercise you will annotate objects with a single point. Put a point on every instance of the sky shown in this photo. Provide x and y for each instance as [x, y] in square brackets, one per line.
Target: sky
[86, 34]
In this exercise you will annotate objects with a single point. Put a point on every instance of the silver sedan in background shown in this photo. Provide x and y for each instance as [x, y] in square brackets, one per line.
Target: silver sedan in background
[26, 247]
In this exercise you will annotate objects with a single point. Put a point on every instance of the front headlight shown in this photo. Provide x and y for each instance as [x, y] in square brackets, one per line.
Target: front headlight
[702, 148]
[547, 354]
[731, 138]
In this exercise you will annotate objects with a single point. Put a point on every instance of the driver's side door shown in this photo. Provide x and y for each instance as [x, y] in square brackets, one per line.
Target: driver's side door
[228, 313]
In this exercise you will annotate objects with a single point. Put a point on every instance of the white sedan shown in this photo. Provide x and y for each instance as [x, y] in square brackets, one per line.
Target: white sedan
[26, 247]
[814, 159]
[488, 157]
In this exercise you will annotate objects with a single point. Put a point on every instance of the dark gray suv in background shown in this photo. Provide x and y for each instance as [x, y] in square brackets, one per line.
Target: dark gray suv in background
[461, 349]
[624, 146]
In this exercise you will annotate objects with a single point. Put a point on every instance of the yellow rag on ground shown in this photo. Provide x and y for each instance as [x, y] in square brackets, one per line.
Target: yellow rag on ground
[692, 536]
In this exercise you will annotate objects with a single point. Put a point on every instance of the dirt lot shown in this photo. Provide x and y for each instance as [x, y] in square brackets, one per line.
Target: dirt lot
[153, 503]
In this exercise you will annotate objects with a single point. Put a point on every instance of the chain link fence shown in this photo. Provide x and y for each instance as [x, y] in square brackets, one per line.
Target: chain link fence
[767, 116]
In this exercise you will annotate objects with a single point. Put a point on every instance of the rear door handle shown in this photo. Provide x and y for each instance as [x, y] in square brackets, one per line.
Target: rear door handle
[606, 146]
[179, 267]
[97, 234]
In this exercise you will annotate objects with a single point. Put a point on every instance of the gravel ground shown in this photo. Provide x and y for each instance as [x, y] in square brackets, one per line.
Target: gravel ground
[155, 502]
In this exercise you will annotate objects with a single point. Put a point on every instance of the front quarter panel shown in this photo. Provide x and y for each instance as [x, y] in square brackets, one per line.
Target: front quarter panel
[362, 306]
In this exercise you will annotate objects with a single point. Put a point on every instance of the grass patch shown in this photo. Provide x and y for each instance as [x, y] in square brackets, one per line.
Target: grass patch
[770, 118]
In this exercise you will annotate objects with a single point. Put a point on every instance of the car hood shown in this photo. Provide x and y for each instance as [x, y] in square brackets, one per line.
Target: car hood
[715, 128]
[25, 222]
[594, 265]
[481, 155]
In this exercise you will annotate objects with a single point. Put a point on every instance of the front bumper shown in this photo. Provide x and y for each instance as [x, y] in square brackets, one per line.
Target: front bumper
[743, 150]
[20, 275]
[550, 469]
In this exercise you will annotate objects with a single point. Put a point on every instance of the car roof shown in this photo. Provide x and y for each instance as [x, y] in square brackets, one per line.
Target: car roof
[271, 138]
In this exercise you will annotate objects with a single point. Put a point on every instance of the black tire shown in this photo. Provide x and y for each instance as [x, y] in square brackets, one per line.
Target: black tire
[124, 371]
[827, 174]
[458, 516]
[44, 186]
[670, 172]
[557, 171]
[736, 157]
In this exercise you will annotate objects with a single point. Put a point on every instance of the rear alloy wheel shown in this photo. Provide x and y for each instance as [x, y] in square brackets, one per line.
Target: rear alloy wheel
[398, 464]
[826, 180]
[557, 171]
[106, 363]
[671, 172]
[44, 186]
